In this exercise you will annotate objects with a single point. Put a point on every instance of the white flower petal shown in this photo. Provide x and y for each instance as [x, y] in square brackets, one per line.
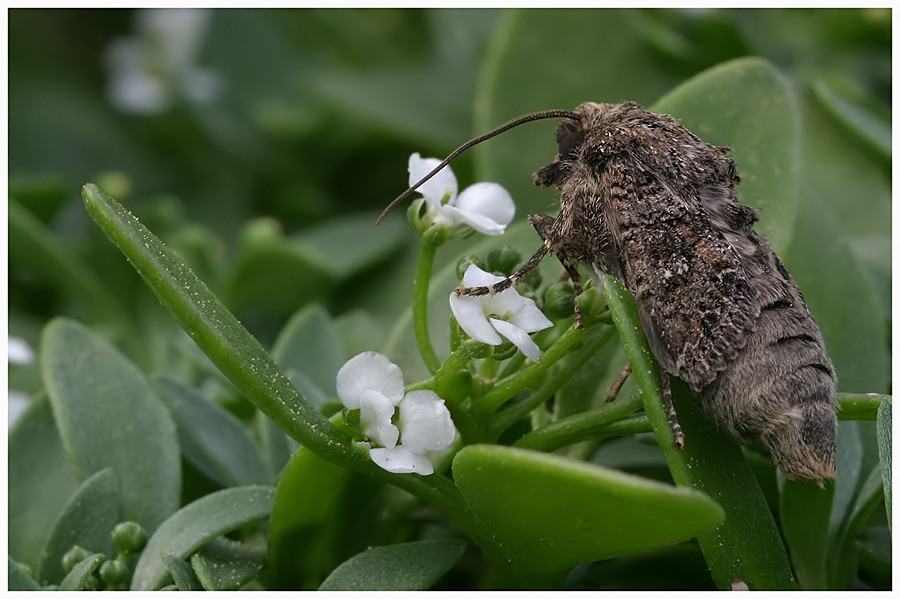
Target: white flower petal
[433, 190]
[489, 201]
[475, 277]
[480, 223]
[469, 313]
[18, 351]
[519, 338]
[366, 371]
[375, 414]
[529, 317]
[401, 461]
[425, 422]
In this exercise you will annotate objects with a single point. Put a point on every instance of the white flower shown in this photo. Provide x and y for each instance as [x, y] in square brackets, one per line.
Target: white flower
[373, 385]
[486, 207]
[486, 317]
[148, 69]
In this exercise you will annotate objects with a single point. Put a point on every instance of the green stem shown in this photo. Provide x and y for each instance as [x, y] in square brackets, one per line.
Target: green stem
[859, 406]
[442, 383]
[595, 338]
[420, 305]
[585, 425]
[505, 389]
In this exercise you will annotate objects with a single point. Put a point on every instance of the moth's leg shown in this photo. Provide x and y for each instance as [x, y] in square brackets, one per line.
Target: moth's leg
[670, 411]
[617, 386]
[512, 280]
[575, 277]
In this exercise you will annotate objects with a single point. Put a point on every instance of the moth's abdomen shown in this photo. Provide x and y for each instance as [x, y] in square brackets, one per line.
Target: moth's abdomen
[781, 388]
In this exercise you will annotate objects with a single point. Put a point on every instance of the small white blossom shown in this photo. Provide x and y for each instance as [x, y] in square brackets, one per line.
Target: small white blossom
[486, 207]
[149, 69]
[486, 317]
[373, 385]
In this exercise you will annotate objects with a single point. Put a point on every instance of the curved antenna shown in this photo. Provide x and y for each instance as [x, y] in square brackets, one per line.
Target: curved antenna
[534, 116]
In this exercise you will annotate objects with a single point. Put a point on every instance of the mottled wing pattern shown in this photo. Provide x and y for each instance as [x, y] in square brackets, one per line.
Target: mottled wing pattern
[696, 302]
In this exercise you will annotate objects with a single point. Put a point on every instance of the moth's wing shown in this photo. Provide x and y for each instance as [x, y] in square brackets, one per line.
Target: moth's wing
[693, 294]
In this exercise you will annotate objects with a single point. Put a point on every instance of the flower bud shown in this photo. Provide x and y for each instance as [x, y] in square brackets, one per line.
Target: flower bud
[559, 300]
[129, 537]
[73, 557]
[113, 573]
[504, 259]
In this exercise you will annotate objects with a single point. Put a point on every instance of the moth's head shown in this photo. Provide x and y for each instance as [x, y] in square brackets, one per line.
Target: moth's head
[589, 119]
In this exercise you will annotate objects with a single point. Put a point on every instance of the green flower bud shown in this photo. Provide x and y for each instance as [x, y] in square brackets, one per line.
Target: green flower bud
[504, 259]
[593, 307]
[73, 557]
[504, 351]
[129, 537]
[113, 573]
[464, 263]
[436, 235]
[559, 300]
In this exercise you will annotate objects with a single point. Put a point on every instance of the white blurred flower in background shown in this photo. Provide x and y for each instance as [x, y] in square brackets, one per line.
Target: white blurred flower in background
[148, 71]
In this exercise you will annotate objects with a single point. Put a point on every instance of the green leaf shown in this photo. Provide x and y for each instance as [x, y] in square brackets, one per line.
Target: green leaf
[109, 417]
[520, 76]
[805, 511]
[196, 524]
[40, 482]
[747, 104]
[18, 578]
[884, 428]
[31, 242]
[309, 343]
[266, 260]
[212, 439]
[86, 521]
[182, 574]
[307, 518]
[217, 332]
[548, 513]
[845, 307]
[412, 566]
[872, 129]
[226, 565]
[747, 545]
[79, 579]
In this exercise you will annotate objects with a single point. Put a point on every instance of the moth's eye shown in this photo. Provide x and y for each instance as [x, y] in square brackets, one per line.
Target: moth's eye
[569, 143]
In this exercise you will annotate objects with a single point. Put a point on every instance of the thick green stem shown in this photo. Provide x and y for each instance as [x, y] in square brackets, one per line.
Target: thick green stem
[747, 545]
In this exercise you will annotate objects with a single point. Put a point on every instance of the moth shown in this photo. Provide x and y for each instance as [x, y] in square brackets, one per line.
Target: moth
[647, 201]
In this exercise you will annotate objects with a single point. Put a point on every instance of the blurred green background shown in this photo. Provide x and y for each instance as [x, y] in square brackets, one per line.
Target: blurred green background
[281, 134]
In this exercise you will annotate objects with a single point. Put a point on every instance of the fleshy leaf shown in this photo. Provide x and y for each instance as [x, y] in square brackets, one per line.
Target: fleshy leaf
[40, 482]
[748, 105]
[212, 439]
[18, 578]
[182, 574]
[109, 417]
[549, 513]
[217, 332]
[86, 521]
[883, 427]
[226, 565]
[414, 566]
[198, 523]
[79, 578]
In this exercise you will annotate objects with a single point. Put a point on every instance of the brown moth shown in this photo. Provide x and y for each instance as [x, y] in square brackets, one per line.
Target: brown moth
[647, 201]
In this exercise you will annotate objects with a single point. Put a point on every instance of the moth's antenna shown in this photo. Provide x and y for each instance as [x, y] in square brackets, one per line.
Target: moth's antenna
[535, 116]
